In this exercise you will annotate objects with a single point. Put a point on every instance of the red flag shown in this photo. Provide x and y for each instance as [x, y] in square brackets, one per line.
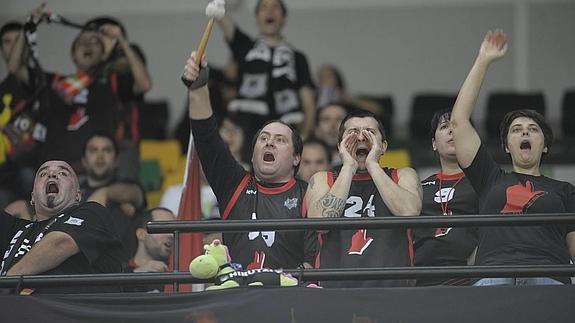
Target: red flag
[191, 244]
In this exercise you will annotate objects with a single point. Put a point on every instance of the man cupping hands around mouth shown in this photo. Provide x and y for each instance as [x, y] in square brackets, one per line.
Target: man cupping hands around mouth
[362, 188]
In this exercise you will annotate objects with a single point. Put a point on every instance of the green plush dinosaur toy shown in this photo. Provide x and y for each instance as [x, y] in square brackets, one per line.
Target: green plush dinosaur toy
[215, 263]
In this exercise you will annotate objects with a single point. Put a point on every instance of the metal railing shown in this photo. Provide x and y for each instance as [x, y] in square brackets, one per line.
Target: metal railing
[178, 227]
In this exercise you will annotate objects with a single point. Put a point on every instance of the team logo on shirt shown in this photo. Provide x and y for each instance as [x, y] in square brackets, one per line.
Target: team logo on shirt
[444, 195]
[290, 203]
[74, 221]
[520, 197]
[359, 242]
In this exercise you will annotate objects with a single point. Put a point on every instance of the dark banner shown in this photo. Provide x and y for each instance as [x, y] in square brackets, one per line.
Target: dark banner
[423, 304]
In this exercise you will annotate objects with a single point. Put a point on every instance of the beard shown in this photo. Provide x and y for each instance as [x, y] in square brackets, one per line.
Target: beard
[50, 201]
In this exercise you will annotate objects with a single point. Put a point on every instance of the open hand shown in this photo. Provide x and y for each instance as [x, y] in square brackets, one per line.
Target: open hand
[347, 149]
[494, 46]
[376, 148]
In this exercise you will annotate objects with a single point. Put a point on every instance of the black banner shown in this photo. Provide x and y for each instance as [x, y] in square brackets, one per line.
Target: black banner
[297, 304]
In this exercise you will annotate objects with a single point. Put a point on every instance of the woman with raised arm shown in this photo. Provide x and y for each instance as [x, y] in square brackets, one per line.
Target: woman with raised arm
[526, 137]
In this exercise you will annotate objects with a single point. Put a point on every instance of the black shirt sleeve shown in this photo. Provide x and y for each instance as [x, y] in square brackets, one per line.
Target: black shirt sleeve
[91, 227]
[483, 171]
[222, 171]
[240, 45]
[7, 223]
[302, 70]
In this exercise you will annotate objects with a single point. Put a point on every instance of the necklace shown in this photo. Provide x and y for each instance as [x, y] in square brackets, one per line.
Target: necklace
[444, 205]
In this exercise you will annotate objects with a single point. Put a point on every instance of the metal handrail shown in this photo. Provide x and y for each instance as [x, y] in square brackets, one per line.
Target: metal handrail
[360, 223]
[302, 275]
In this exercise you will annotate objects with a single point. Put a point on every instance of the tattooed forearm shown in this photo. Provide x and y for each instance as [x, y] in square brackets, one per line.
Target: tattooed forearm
[330, 206]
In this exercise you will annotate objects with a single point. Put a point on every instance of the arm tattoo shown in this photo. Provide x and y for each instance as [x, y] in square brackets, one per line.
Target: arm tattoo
[331, 206]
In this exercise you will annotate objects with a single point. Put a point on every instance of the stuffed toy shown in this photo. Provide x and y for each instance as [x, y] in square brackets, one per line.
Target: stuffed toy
[215, 264]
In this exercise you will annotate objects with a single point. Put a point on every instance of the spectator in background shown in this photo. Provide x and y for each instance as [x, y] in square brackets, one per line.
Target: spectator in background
[21, 133]
[445, 193]
[154, 250]
[127, 61]
[123, 198]
[329, 119]
[65, 237]
[75, 106]
[331, 88]
[314, 158]
[274, 80]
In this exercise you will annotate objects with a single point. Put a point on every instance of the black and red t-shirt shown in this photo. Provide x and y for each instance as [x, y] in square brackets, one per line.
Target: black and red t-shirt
[365, 248]
[70, 123]
[513, 193]
[241, 197]
[445, 195]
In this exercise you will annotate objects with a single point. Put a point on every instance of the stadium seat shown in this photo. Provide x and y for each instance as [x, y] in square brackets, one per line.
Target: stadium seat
[500, 103]
[395, 158]
[423, 108]
[568, 114]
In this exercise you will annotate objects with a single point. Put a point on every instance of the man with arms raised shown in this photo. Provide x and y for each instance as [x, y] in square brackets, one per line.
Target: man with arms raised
[362, 188]
[270, 192]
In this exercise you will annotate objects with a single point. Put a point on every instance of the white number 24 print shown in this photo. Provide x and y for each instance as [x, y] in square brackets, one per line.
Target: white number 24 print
[356, 209]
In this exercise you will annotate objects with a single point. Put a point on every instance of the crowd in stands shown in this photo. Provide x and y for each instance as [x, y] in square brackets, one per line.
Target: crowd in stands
[272, 145]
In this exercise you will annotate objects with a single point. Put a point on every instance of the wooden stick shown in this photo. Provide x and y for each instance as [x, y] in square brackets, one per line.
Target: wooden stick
[204, 41]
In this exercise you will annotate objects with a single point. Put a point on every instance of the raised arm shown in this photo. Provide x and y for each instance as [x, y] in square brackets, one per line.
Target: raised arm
[228, 27]
[467, 141]
[329, 202]
[120, 193]
[199, 105]
[402, 198]
[47, 254]
[142, 81]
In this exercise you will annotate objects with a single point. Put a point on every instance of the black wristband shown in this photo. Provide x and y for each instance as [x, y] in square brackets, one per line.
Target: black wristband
[202, 79]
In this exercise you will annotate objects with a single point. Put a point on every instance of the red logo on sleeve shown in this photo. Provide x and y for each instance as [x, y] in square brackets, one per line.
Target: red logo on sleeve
[520, 197]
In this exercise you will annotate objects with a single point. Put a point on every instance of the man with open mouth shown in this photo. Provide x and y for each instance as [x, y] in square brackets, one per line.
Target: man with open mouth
[270, 192]
[274, 81]
[65, 237]
[362, 188]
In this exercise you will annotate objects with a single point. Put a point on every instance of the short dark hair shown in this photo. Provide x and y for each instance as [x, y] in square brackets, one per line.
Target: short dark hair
[443, 114]
[295, 137]
[141, 220]
[322, 144]
[344, 105]
[95, 23]
[282, 5]
[10, 26]
[103, 135]
[548, 137]
[359, 114]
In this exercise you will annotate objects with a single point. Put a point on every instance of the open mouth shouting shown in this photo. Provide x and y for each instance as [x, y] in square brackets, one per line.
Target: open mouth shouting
[269, 157]
[525, 146]
[52, 188]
